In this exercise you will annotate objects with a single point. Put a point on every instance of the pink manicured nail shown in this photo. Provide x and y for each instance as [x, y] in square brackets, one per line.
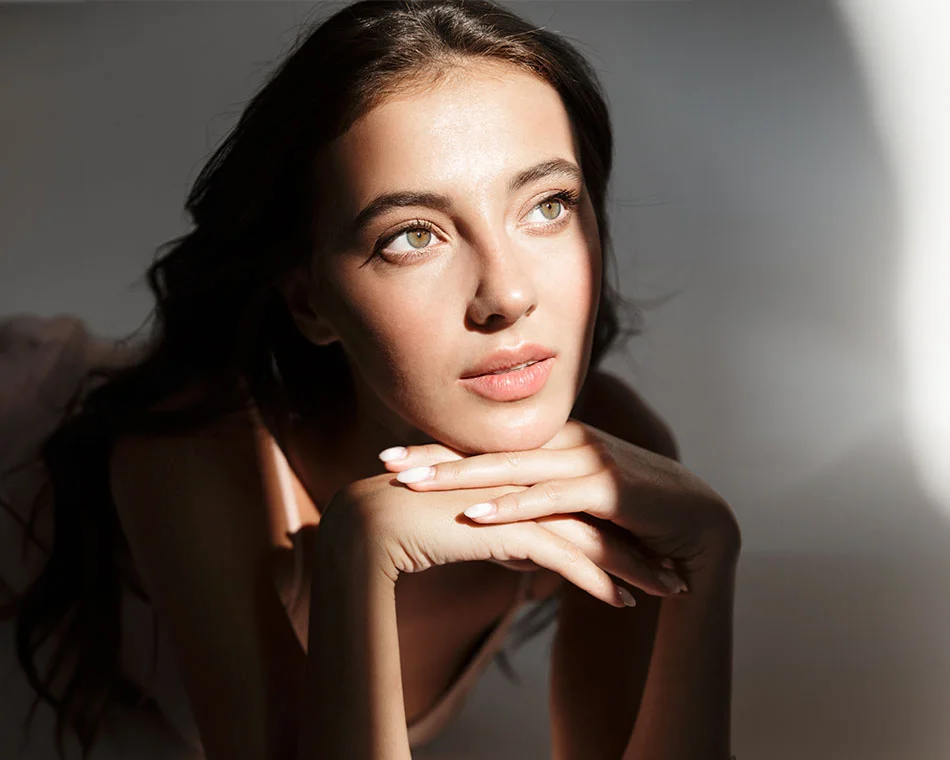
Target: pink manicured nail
[672, 581]
[415, 474]
[393, 453]
[626, 597]
[480, 510]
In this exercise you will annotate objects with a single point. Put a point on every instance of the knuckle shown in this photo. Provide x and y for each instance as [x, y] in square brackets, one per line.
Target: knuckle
[571, 552]
[425, 452]
[731, 526]
[592, 533]
[351, 498]
[507, 548]
[445, 470]
[550, 492]
[512, 458]
[723, 525]
[368, 513]
[511, 504]
[368, 501]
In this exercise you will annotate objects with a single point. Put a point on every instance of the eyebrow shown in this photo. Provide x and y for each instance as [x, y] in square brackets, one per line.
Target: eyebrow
[557, 167]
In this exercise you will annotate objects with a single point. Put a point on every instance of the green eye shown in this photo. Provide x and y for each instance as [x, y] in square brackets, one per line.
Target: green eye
[418, 225]
[549, 203]
[421, 231]
[419, 234]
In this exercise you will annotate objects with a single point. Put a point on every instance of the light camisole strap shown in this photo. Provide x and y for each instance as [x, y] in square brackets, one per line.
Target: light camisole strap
[291, 508]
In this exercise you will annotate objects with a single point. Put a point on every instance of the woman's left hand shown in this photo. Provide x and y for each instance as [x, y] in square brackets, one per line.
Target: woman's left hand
[639, 515]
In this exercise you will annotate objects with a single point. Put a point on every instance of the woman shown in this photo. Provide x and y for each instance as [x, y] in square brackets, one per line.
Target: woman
[413, 201]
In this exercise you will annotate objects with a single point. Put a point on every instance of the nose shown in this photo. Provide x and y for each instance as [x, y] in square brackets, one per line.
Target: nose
[506, 289]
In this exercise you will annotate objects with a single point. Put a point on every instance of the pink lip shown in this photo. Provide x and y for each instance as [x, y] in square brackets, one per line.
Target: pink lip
[511, 386]
[509, 357]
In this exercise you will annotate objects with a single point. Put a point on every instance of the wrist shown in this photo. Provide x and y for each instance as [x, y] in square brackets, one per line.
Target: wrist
[716, 562]
[712, 572]
[345, 545]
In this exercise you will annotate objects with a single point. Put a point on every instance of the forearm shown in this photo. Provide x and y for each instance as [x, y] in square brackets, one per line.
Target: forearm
[685, 711]
[353, 705]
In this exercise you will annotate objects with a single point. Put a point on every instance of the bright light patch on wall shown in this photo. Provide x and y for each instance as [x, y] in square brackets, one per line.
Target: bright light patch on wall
[904, 49]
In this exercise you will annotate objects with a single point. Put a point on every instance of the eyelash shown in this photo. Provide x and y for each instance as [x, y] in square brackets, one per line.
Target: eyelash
[568, 198]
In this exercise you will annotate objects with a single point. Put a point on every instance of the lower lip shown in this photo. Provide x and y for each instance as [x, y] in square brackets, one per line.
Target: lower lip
[511, 386]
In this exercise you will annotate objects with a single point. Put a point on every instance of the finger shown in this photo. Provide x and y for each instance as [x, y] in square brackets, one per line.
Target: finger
[524, 468]
[614, 550]
[571, 434]
[430, 453]
[595, 495]
[521, 566]
[529, 541]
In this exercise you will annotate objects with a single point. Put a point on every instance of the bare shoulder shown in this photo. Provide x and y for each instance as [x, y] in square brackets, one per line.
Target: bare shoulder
[194, 510]
[224, 460]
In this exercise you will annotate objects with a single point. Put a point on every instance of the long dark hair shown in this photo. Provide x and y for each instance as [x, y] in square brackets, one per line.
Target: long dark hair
[220, 324]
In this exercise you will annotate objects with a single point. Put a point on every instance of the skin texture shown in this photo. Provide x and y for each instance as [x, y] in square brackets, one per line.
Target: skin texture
[496, 268]
[495, 271]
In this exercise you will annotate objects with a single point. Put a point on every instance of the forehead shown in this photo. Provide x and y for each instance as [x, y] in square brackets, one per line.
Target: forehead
[469, 131]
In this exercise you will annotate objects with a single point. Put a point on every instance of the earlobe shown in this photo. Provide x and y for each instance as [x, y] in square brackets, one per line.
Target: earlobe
[316, 330]
[297, 294]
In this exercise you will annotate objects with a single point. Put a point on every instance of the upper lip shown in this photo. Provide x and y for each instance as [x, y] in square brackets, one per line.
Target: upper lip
[509, 356]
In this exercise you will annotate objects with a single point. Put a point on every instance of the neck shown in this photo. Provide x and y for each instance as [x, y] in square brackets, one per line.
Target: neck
[326, 460]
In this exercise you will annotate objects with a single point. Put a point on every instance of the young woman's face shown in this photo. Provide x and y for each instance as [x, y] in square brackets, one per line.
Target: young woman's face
[418, 294]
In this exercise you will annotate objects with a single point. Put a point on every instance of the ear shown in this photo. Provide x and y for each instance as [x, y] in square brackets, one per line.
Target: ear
[299, 292]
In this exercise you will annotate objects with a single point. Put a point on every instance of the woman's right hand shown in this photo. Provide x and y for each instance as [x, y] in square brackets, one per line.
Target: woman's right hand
[409, 531]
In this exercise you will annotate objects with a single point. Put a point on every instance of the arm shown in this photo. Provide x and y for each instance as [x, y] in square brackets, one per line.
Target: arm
[192, 509]
[353, 705]
[685, 709]
[652, 681]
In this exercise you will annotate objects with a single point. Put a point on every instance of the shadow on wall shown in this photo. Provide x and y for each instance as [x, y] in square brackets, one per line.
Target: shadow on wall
[844, 654]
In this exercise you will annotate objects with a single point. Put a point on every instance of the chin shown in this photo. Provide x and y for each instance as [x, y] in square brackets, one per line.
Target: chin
[511, 435]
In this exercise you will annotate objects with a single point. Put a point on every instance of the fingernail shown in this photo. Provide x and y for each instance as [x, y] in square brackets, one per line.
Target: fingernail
[480, 510]
[626, 597]
[672, 581]
[393, 453]
[415, 474]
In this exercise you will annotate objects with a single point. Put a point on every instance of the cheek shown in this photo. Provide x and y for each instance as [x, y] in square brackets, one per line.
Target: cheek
[378, 319]
[577, 281]
[577, 287]
[406, 323]
[400, 344]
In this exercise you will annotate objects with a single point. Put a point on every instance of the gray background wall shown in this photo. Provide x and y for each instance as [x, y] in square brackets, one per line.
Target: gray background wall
[751, 177]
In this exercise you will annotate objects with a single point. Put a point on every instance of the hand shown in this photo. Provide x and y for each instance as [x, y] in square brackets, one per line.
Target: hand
[621, 496]
[402, 531]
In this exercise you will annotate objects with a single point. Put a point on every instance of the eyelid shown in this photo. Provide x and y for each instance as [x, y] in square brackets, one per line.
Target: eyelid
[568, 197]
[412, 224]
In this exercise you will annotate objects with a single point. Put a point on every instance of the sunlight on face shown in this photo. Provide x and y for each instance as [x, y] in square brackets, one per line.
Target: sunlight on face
[419, 293]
